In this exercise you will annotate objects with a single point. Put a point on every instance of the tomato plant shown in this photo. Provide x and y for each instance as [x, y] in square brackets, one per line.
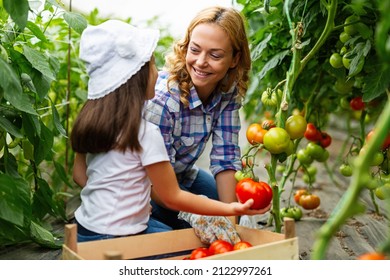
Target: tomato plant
[325, 140]
[220, 246]
[260, 192]
[242, 245]
[199, 253]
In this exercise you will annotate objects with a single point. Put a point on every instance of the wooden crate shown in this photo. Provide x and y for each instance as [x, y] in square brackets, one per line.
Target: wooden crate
[177, 244]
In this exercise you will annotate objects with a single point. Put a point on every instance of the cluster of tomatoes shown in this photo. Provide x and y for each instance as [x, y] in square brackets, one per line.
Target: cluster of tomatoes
[306, 199]
[275, 139]
[217, 247]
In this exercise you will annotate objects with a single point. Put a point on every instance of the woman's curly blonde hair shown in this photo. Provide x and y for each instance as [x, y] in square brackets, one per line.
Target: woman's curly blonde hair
[232, 22]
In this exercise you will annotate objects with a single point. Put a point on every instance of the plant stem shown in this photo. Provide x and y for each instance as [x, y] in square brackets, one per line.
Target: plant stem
[349, 206]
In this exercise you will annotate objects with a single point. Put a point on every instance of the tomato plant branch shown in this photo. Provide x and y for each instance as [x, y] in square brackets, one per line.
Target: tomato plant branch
[271, 169]
[349, 205]
[332, 8]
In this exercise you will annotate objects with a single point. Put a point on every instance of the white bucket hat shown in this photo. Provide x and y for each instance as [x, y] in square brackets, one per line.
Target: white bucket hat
[113, 52]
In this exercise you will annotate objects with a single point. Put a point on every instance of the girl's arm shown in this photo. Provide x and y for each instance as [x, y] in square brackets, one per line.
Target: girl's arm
[166, 187]
[80, 170]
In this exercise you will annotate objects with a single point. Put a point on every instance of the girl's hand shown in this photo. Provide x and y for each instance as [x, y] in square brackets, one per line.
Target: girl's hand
[244, 208]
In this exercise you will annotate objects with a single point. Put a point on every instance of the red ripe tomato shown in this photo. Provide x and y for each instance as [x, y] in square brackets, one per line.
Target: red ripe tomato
[242, 245]
[199, 253]
[255, 133]
[326, 140]
[312, 133]
[357, 103]
[220, 246]
[260, 192]
[309, 201]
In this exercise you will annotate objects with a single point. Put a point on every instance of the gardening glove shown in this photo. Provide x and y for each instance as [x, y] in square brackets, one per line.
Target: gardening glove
[211, 228]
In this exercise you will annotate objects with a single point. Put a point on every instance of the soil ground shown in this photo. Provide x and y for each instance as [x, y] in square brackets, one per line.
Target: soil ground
[359, 235]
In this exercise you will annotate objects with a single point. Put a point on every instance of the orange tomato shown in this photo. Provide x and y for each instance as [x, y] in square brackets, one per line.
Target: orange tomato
[242, 245]
[372, 256]
[255, 133]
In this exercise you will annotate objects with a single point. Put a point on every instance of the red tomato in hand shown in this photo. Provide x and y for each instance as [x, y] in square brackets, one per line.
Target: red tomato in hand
[242, 245]
[199, 253]
[260, 192]
[220, 246]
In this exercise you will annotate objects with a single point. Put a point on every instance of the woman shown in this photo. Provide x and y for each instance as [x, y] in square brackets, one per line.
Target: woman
[198, 97]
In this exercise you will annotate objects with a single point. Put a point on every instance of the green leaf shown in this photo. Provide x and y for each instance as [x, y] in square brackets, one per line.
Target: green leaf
[13, 90]
[36, 31]
[57, 121]
[376, 83]
[10, 127]
[272, 63]
[43, 144]
[14, 199]
[18, 10]
[38, 61]
[258, 49]
[43, 237]
[10, 164]
[76, 21]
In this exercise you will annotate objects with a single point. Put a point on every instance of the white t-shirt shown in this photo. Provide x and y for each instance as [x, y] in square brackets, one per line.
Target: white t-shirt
[116, 198]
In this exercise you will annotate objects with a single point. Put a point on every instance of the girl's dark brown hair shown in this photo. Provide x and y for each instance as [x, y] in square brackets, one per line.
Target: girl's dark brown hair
[113, 121]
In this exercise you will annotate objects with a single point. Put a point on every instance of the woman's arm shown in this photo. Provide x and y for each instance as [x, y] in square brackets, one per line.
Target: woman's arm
[80, 170]
[226, 186]
[166, 187]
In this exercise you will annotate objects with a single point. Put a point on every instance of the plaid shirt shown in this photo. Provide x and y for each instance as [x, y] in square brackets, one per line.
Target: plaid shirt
[187, 130]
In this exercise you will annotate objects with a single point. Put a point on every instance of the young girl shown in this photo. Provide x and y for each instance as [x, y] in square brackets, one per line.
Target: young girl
[118, 154]
[198, 97]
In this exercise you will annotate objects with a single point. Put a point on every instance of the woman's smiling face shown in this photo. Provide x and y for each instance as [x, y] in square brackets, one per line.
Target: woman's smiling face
[209, 57]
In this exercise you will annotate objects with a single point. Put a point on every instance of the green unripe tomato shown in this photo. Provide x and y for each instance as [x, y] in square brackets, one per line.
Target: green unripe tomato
[304, 157]
[345, 170]
[276, 140]
[383, 192]
[351, 29]
[336, 61]
[296, 126]
[314, 150]
[344, 37]
[291, 212]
